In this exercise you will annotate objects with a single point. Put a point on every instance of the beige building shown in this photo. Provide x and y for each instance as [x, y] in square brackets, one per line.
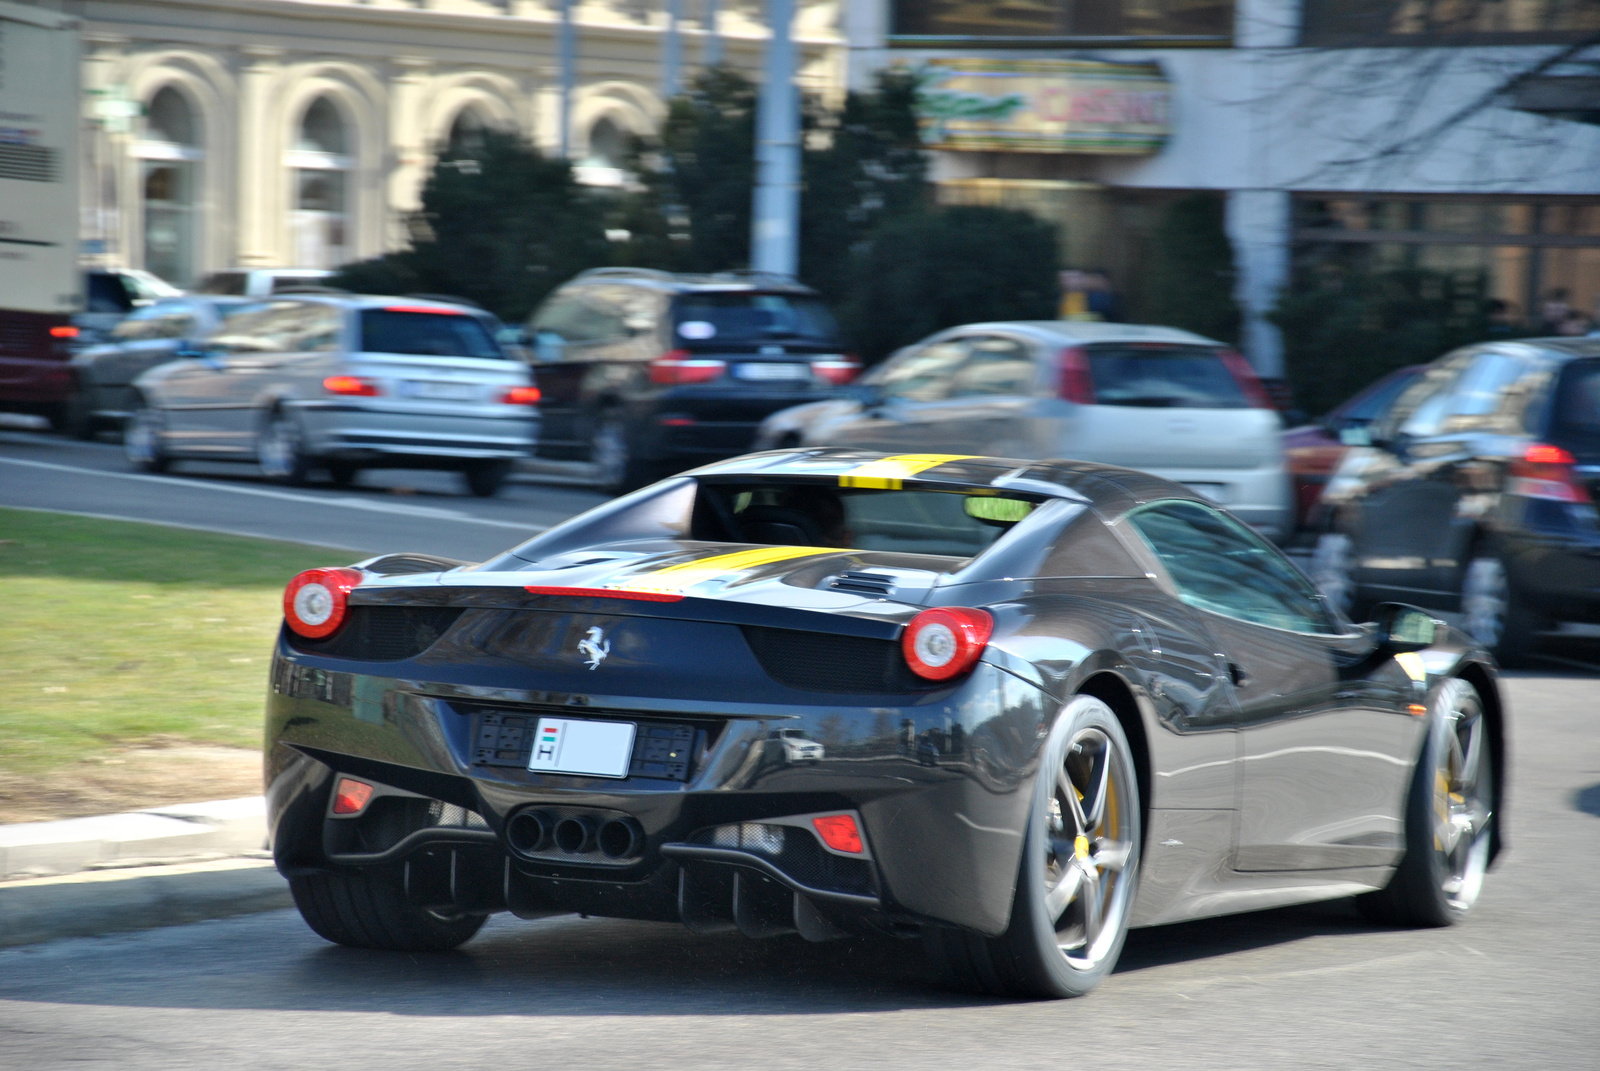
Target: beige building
[222, 133]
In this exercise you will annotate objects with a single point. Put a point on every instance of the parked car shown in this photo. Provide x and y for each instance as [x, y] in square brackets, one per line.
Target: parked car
[103, 375]
[344, 383]
[261, 282]
[1153, 398]
[642, 371]
[1060, 699]
[1315, 450]
[1477, 494]
[111, 294]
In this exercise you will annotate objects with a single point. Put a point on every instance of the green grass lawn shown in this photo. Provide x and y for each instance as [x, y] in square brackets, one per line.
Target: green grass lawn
[115, 633]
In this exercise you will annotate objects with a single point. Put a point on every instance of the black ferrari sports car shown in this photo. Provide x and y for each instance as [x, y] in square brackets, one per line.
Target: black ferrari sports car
[1011, 708]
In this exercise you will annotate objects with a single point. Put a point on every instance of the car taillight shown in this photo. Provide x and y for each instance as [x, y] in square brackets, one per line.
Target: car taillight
[351, 796]
[1077, 381]
[64, 331]
[678, 367]
[839, 832]
[520, 396]
[1247, 379]
[946, 641]
[836, 370]
[351, 385]
[1546, 472]
[315, 602]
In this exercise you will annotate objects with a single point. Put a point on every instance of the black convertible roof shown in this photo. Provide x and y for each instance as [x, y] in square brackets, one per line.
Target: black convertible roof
[1111, 490]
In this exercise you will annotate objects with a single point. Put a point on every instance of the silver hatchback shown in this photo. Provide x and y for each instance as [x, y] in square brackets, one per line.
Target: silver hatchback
[342, 383]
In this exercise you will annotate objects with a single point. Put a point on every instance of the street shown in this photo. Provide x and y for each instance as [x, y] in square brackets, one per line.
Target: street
[1514, 986]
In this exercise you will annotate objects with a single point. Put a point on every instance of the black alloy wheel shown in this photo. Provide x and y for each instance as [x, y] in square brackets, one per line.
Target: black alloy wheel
[1449, 818]
[368, 909]
[486, 478]
[615, 469]
[1079, 871]
[143, 439]
[1494, 612]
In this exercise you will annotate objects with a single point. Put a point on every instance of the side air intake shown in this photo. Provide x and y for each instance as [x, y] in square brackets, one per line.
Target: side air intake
[879, 584]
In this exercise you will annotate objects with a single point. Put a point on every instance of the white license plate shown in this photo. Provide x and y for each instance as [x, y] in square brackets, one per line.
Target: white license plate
[449, 392]
[771, 370]
[593, 748]
[1216, 492]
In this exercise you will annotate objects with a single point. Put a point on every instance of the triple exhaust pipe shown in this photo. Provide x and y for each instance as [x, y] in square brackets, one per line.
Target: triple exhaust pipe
[536, 834]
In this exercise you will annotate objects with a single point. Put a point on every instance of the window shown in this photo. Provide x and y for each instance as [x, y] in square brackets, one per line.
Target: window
[224, 282]
[1220, 566]
[997, 367]
[1483, 395]
[426, 333]
[174, 320]
[1207, 19]
[924, 374]
[1433, 22]
[1420, 409]
[321, 163]
[582, 314]
[811, 514]
[1191, 377]
[169, 155]
[1575, 419]
[281, 327]
[138, 325]
[742, 316]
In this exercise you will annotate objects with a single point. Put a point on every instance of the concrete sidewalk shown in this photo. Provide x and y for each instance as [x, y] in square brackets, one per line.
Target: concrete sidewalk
[159, 867]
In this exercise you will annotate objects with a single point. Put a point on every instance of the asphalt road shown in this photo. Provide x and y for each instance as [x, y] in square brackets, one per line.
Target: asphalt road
[1517, 985]
[429, 512]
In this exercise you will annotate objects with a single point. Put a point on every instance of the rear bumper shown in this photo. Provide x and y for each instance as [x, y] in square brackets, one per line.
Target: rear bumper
[683, 423]
[1558, 575]
[939, 784]
[355, 432]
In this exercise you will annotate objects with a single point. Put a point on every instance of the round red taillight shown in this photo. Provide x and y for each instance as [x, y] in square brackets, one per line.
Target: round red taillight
[314, 603]
[946, 641]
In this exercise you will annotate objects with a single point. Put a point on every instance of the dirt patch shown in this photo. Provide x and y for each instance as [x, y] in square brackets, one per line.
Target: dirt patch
[131, 779]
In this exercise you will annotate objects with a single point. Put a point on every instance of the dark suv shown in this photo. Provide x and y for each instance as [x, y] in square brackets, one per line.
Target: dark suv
[1477, 494]
[642, 371]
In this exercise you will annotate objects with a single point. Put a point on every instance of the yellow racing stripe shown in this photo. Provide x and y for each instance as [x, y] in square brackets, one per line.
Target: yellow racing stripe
[675, 579]
[888, 473]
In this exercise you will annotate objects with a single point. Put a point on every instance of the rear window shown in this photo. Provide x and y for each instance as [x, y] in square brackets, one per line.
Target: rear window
[1575, 417]
[223, 282]
[952, 523]
[427, 334]
[1156, 376]
[741, 316]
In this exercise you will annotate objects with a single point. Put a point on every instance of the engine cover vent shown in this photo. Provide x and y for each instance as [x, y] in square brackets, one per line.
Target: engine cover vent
[880, 584]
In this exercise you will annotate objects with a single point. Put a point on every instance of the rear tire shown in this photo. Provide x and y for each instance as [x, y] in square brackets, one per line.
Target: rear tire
[77, 415]
[1449, 819]
[486, 478]
[616, 468]
[342, 474]
[369, 909]
[1495, 613]
[142, 439]
[1079, 871]
[280, 450]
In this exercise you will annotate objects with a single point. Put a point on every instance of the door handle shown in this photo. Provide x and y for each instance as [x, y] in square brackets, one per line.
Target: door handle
[1237, 674]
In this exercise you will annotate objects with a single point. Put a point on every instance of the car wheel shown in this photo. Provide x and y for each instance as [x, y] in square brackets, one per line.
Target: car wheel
[1333, 570]
[369, 909]
[143, 439]
[77, 414]
[1079, 870]
[342, 473]
[486, 478]
[1449, 818]
[616, 469]
[280, 450]
[1493, 612]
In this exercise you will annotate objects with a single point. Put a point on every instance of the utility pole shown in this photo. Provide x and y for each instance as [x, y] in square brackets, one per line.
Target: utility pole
[708, 23]
[671, 51]
[775, 216]
[569, 59]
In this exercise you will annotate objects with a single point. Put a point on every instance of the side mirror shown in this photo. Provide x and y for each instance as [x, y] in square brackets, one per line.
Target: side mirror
[1401, 628]
[1355, 436]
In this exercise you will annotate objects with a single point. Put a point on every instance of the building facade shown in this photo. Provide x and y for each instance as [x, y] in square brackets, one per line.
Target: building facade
[1448, 134]
[224, 133]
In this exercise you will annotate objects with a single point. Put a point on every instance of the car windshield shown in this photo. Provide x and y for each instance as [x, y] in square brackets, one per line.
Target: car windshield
[742, 316]
[810, 514]
[1158, 375]
[426, 333]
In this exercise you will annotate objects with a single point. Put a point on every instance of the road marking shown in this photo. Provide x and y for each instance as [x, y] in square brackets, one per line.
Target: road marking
[346, 501]
[208, 528]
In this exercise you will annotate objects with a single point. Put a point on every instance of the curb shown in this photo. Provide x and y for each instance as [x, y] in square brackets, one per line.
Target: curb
[137, 898]
[179, 833]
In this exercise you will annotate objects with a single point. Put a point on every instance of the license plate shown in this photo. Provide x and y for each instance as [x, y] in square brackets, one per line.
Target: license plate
[450, 392]
[772, 370]
[592, 748]
[1216, 492]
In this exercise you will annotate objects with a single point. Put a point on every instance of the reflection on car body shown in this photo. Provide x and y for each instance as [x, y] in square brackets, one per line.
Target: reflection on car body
[1060, 699]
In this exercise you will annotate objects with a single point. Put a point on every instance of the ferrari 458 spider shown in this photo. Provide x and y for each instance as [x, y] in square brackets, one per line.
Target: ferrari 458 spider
[1009, 708]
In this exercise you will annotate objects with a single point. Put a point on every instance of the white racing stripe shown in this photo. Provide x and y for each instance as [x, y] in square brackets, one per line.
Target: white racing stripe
[344, 501]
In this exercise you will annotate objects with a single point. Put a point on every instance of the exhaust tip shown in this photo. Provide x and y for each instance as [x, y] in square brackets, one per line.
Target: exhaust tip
[575, 835]
[528, 832]
[621, 838]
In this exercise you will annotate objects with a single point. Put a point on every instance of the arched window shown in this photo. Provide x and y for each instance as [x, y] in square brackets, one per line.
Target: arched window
[320, 166]
[466, 133]
[606, 161]
[169, 156]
